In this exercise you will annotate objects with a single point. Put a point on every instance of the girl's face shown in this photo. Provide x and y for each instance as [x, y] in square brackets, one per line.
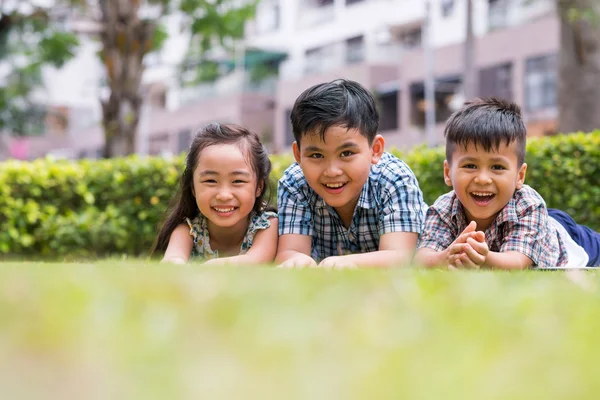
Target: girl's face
[225, 185]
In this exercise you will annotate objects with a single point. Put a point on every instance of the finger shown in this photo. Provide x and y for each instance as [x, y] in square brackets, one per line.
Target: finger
[452, 267]
[478, 236]
[458, 263]
[480, 247]
[452, 259]
[470, 228]
[467, 262]
[473, 254]
[455, 248]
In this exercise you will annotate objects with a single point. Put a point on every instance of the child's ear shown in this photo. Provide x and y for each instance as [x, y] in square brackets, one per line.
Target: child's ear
[521, 176]
[296, 151]
[377, 148]
[447, 178]
[259, 188]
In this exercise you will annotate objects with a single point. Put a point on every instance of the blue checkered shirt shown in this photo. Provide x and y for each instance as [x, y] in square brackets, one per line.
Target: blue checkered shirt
[390, 201]
[522, 225]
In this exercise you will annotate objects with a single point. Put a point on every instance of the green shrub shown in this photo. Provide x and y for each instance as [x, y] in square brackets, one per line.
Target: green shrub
[96, 208]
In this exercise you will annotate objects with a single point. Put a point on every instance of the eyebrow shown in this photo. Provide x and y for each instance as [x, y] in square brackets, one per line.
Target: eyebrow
[493, 159]
[343, 146]
[209, 172]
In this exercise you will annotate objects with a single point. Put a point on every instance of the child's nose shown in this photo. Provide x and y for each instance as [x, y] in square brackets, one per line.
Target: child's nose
[224, 194]
[483, 178]
[332, 170]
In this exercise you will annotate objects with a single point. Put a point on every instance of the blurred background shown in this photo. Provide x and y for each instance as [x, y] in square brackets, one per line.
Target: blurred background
[103, 78]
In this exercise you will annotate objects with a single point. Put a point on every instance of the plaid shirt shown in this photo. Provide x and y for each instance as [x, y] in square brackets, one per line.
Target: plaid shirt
[390, 201]
[523, 225]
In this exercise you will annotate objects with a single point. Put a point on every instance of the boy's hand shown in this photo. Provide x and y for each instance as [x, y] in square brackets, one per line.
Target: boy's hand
[462, 254]
[337, 262]
[298, 260]
[473, 256]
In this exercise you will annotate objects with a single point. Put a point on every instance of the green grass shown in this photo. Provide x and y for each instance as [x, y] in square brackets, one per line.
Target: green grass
[135, 330]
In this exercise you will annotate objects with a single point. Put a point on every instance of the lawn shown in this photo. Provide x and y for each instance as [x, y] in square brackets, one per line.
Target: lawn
[136, 330]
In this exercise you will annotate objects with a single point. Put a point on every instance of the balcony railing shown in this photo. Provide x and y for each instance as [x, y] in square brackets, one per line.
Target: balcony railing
[232, 84]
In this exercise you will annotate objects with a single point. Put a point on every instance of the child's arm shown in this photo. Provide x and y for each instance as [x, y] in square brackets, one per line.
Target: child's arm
[180, 245]
[293, 251]
[295, 221]
[262, 251]
[429, 257]
[395, 249]
[510, 260]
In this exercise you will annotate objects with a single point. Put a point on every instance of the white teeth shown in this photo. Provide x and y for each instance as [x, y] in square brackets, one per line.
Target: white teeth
[334, 185]
[482, 194]
[223, 209]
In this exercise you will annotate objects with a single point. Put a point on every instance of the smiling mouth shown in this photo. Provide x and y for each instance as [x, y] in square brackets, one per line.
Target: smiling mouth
[224, 209]
[335, 185]
[482, 197]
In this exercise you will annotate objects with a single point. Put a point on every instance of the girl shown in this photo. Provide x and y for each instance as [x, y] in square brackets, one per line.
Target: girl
[218, 212]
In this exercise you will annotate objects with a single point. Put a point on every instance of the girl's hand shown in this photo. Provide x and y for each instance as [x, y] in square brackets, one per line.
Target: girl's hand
[337, 262]
[216, 261]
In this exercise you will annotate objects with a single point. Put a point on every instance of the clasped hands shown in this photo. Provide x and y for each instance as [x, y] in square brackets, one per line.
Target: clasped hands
[469, 250]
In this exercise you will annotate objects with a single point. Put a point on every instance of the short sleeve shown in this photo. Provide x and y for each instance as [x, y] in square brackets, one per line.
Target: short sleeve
[261, 221]
[438, 234]
[531, 235]
[294, 211]
[193, 229]
[402, 206]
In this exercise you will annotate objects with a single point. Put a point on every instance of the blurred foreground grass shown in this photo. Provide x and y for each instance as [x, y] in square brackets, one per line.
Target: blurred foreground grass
[139, 330]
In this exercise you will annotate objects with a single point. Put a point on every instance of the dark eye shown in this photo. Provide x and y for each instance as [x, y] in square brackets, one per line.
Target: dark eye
[239, 181]
[498, 167]
[209, 181]
[315, 155]
[470, 166]
[346, 153]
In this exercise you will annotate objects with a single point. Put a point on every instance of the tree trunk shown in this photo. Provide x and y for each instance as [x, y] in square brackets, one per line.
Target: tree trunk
[125, 39]
[579, 66]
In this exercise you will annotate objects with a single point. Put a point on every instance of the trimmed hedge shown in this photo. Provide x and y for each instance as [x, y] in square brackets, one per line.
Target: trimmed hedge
[52, 208]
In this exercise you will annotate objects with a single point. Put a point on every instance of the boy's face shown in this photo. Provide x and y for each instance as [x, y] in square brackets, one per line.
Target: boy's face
[338, 168]
[484, 182]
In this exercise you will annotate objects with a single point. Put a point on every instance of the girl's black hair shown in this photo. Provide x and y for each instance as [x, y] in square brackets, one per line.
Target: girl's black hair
[183, 205]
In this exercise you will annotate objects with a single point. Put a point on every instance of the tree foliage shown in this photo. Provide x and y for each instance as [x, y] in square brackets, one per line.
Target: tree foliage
[29, 40]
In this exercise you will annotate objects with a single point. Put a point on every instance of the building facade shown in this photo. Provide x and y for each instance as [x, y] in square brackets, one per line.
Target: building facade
[293, 44]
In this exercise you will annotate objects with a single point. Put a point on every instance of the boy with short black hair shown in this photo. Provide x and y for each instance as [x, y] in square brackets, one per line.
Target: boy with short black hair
[345, 202]
[491, 218]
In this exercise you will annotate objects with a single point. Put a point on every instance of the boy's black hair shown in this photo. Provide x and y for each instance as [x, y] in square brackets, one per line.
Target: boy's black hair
[486, 122]
[341, 103]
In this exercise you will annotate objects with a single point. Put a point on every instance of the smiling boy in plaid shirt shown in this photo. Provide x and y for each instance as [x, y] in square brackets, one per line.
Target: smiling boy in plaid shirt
[345, 202]
[491, 218]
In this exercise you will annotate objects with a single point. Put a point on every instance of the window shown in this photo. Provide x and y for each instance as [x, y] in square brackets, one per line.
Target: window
[412, 39]
[540, 83]
[388, 110]
[445, 89]
[497, 14]
[319, 59]
[496, 82]
[355, 50]
[268, 16]
[289, 132]
[184, 138]
[350, 2]
[447, 7]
